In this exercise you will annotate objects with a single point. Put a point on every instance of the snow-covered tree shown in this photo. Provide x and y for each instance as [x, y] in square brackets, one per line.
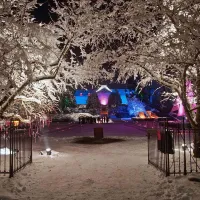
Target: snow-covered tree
[26, 56]
[135, 106]
[67, 100]
[166, 48]
[93, 102]
[158, 40]
[170, 55]
[47, 53]
[31, 53]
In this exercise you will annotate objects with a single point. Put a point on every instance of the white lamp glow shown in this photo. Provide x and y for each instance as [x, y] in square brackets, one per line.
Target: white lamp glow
[48, 150]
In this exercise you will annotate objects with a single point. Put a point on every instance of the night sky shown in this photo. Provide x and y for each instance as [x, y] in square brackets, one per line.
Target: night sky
[43, 11]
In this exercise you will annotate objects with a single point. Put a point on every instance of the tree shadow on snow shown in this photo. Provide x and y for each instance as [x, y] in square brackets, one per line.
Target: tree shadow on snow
[92, 140]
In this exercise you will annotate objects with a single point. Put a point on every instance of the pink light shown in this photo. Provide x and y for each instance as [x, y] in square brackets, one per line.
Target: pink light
[103, 97]
[103, 102]
[181, 111]
[178, 104]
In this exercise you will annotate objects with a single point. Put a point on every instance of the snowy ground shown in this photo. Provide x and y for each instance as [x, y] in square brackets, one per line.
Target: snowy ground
[82, 169]
[71, 116]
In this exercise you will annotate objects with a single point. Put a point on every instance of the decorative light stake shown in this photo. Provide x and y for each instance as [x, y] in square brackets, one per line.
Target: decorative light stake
[184, 146]
[48, 150]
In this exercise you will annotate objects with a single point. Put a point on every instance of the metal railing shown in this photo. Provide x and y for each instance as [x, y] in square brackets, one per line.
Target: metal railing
[15, 147]
[146, 123]
[174, 149]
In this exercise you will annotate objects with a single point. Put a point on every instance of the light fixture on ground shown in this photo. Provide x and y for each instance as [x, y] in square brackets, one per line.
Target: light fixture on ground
[48, 150]
[5, 151]
[184, 146]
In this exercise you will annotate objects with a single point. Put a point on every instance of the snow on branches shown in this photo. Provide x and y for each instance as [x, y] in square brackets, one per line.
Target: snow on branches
[170, 55]
[68, 49]
[152, 40]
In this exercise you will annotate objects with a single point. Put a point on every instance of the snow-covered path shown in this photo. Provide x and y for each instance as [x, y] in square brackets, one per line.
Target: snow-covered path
[63, 129]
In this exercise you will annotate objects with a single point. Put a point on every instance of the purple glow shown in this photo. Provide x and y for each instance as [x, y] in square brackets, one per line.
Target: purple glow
[103, 102]
[103, 97]
[181, 111]
[190, 94]
[178, 103]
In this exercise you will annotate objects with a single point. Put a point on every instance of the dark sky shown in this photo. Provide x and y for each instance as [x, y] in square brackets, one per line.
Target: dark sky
[43, 11]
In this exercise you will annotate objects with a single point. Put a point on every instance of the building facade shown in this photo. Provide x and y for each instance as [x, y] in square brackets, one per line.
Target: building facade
[103, 92]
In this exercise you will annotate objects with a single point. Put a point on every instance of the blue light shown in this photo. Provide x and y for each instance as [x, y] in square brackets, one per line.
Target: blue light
[122, 94]
[135, 106]
[81, 100]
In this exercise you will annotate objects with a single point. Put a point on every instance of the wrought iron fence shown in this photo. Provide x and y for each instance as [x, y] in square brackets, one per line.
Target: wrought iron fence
[15, 146]
[174, 149]
[145, 123]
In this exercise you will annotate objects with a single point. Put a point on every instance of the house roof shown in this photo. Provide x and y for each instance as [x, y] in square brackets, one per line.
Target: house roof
[121, 86]
[104, 87]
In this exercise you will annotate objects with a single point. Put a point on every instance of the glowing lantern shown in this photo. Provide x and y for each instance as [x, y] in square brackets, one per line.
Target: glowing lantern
[16, 123]
[103, 102]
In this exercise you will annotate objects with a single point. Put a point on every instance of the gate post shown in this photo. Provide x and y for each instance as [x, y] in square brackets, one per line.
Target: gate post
[31, 132]
[166, 153]
[148, 138]
[184, 156]
[10, 132]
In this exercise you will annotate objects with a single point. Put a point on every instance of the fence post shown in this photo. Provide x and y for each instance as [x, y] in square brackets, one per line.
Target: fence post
[148, 138]
[10, 132]
[31, 157]
[167, 173]
[184, 149]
